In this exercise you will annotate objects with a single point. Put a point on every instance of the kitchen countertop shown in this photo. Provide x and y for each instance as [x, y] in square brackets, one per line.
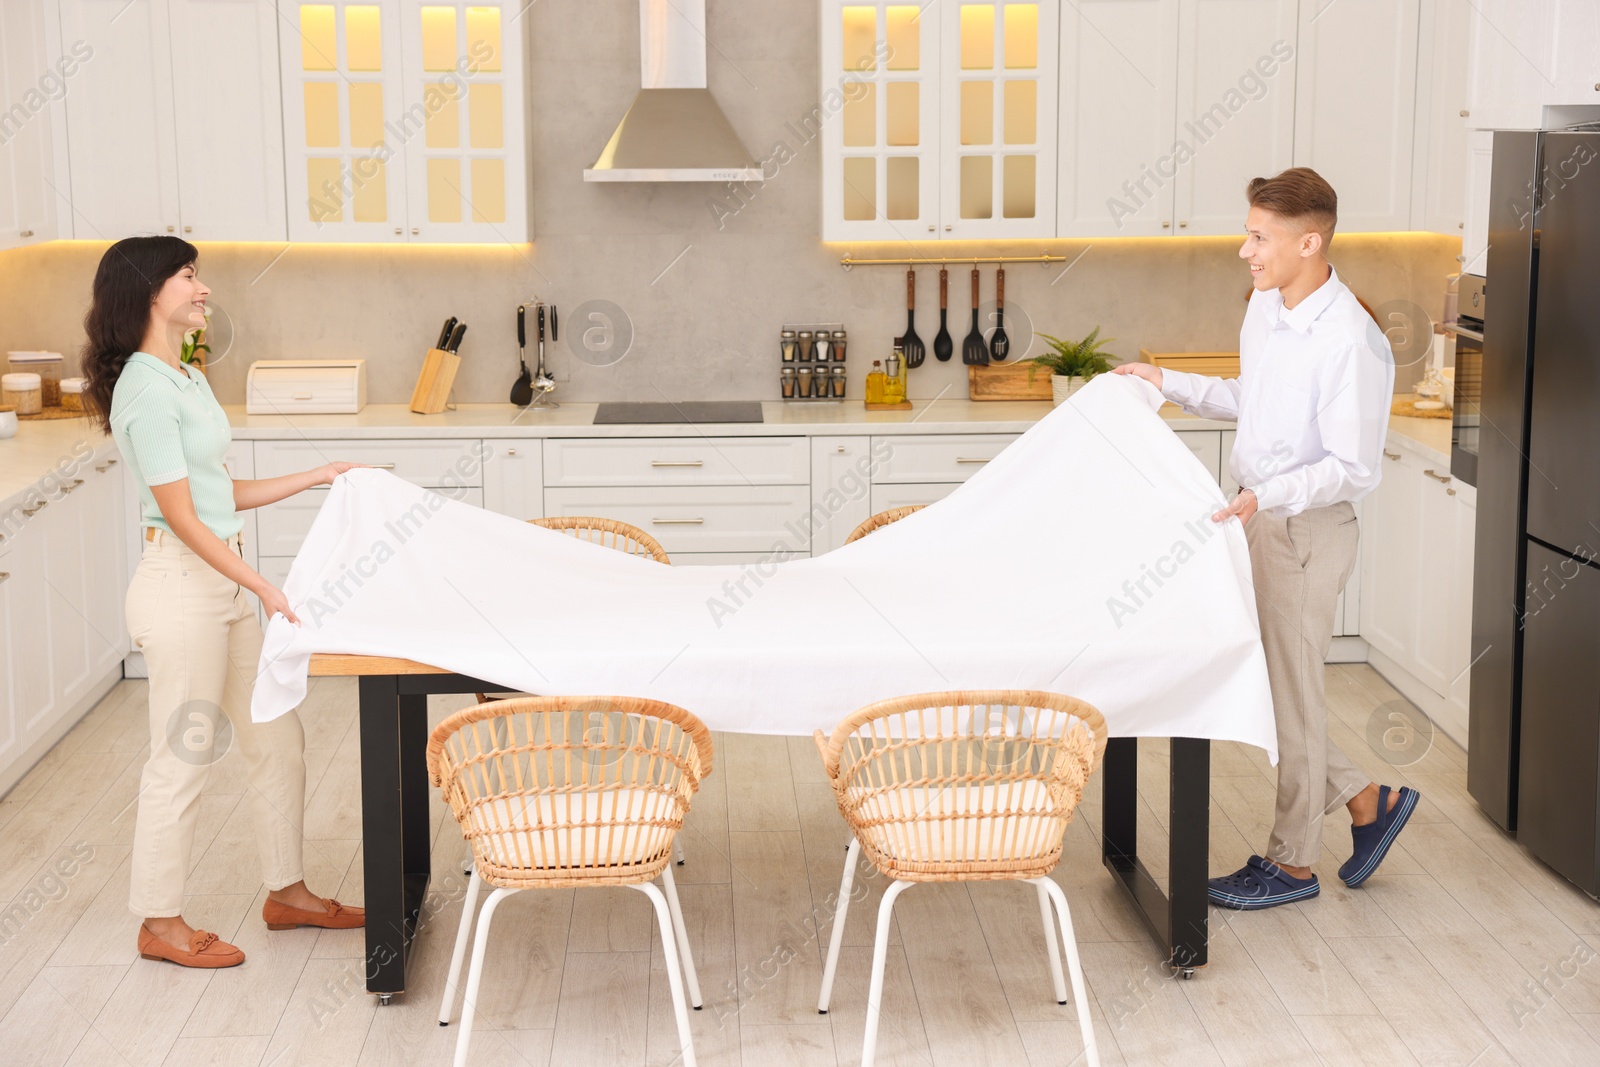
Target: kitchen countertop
[58, 445]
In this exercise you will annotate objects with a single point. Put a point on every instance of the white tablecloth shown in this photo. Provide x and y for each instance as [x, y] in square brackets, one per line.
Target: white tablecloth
[1082, 560]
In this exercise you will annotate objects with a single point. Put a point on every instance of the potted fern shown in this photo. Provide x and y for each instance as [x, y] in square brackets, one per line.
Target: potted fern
[1071, 363]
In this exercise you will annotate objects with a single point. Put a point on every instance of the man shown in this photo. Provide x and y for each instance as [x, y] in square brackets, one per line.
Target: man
[1316, 378]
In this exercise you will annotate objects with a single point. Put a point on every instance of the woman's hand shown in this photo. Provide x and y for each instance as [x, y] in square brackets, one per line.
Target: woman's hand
[329, 471]
[1148, 371]
[273, 600]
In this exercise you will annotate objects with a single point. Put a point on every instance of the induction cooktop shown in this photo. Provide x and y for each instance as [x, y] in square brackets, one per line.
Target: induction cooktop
[684, 411]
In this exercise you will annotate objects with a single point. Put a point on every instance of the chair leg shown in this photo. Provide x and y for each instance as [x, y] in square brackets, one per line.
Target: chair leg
[1080, 995]
[880, 954]
[836, 939]
[669, 949]
[677, 850]
[1059, 982]
[480, 945]
[671, 887]
[469, 908]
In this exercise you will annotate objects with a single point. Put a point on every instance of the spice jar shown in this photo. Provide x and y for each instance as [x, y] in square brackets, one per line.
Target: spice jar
[804, 338]
[786, 381]
[838, 383]
[788, 345]
[72, 393]
[47, 365]
[803, 377]
[8, 422]
[819, 348]
[839, 342]
[21, 391]
[820, 380]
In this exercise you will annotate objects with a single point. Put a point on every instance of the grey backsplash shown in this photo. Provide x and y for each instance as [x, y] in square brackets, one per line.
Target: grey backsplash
[702, 282]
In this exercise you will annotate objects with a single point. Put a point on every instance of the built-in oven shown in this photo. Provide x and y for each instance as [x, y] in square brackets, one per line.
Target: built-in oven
[1467, 331]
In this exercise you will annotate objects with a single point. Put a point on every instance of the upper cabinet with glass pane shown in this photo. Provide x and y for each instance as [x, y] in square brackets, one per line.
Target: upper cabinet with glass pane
[404, 122]
[939, 121]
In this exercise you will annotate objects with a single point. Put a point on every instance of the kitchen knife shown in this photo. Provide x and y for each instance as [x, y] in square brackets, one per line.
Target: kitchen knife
[444, 334]
[553, 336]
[455, 338]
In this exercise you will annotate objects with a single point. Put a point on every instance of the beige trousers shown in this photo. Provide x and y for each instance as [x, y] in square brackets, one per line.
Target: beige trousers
[1300, 566]
[201, 642]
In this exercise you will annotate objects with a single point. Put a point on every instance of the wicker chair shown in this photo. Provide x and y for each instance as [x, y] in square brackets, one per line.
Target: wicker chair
[956, 787]
[557, 792]
[882, 518]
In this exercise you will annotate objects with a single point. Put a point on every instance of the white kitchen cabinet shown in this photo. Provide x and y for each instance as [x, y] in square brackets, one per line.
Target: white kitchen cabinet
[104, 516]
[30, 123]
[1355, 96]
[1392, 542]
[405, 122]
[1525, 56]
[513, 478]
[910, 494]
[1444, 122]
[1436, 573]
[1475, 239]
[1118, 80]
[1458, 621]
[1237, 68]
[947, 123]
[699, 518]
[934, 457]
[841, 489]
[21, 572]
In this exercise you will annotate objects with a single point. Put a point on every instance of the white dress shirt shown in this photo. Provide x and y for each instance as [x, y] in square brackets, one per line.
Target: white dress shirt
[1312, 399]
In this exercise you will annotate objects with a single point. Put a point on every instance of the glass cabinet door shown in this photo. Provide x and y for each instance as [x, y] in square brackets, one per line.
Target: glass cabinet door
[463, 91]
[878, 114]
[999, 91]
[342, 121]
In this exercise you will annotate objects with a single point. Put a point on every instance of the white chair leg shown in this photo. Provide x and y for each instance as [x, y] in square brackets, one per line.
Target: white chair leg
[1080, 995]
[836, 939]
[469, 908]
[480, 945]
[1050, 940]
[669, 949]
[682, 933]
[880, 955]
[677, 850]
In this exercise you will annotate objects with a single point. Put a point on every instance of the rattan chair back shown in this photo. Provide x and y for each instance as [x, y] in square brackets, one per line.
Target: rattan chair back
[882, 518]
[611, 533]
[569, 791]
[964, 785]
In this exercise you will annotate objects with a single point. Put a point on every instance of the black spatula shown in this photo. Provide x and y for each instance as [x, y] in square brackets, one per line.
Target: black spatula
[999, 343]
[942, 345]
[974, 353]
[912, 344]
[522, 388]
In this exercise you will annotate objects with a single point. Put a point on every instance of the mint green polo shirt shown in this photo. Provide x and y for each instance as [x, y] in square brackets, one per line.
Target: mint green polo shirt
[169, 426]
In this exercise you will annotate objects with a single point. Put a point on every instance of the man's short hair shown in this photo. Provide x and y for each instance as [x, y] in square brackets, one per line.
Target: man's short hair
[1300, 195]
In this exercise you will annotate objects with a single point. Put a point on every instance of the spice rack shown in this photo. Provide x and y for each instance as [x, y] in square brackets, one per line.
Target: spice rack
[812, 362]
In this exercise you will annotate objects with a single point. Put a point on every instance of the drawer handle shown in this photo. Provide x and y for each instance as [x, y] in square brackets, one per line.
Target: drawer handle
[75, 483]
[1452, 492]
[1390, 455]
[1437, 477]
[965, 459]
[677, 522]
[511, 451]
[4, 575]
[677, 463]
[109, 463]
[382, 466]
[302, 396]
[30, 512]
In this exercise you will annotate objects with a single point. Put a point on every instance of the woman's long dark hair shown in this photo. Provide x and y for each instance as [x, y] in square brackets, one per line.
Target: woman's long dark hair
[130, 275]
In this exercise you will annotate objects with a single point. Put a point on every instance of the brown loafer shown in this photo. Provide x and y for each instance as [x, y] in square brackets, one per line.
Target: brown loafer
[334, 916]
[205, 950]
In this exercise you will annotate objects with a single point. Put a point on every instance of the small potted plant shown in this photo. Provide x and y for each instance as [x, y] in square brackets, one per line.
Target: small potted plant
[1071, 363]
[194, 344]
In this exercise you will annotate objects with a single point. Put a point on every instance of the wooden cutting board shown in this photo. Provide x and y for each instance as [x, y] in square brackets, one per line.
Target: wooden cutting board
[1215, 364]
[1008, 381]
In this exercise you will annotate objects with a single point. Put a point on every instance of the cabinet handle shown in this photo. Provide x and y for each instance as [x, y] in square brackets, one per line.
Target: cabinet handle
[415, 231]
[31, 512]
[965, 459]
[1452, 492]
[188, 229]
[302, 396]
[26, 233]
[1437, 477]
[3, 576]
[382, 466]
[511, 451]
[839, 449]
[75, 483]
[1390, 455]
[1183, 225]
[398, 230]
[677, 463]
[1166, 224]
[677, 522]
[172, 229]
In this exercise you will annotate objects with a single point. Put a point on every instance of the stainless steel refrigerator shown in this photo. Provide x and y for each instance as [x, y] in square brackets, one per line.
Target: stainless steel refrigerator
[1534, 744]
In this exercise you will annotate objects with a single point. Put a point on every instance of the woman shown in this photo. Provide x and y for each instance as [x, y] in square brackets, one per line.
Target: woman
[186, 609]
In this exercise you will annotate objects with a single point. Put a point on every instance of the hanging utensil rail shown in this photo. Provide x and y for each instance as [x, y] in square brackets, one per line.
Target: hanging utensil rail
[847, 262]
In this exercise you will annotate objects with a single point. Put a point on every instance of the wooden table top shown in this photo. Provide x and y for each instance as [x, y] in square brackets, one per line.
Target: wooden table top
[338, 665]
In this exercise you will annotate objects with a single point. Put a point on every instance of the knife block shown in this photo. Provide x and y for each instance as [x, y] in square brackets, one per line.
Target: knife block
[438, 376]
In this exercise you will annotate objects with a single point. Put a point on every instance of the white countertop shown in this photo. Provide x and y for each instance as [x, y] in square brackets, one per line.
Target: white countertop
[27, 460]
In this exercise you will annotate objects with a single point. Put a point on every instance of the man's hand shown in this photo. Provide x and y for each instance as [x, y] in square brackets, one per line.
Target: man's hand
[1148, 371]
[1243, 506]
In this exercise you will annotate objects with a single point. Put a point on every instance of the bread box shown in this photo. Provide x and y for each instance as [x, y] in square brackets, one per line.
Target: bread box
[306, 387]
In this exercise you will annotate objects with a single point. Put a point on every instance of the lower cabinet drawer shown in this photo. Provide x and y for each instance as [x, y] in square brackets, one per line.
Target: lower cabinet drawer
[886, 497]
[935, 457]
[709, 559]
[705, 518]
[281, 527]
[420, 461]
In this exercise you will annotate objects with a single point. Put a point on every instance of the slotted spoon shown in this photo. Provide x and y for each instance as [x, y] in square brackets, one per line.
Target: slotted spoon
[912, 344]
[974, 352]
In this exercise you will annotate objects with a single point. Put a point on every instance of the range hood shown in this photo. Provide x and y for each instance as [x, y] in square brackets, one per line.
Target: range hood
[674, 131]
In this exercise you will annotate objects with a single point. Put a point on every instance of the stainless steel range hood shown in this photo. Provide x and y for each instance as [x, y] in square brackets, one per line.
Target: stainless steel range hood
[674, 131]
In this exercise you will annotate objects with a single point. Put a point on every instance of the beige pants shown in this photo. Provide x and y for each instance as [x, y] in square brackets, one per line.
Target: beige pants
[1300, 567]
[201, 643]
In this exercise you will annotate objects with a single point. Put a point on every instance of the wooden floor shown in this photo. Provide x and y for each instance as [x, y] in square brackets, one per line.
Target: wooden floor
[1462, 950]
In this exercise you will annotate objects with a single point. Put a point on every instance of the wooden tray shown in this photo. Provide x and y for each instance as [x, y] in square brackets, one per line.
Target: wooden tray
[1008, 381]
[1215, 364]
[46, 414]
[1404, 405]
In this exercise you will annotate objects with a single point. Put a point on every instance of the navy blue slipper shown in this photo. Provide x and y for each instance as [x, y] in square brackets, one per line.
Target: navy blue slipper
[1260, 884]
[1372, 841]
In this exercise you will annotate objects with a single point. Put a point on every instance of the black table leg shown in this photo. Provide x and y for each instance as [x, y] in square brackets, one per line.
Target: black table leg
[1179, 915]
